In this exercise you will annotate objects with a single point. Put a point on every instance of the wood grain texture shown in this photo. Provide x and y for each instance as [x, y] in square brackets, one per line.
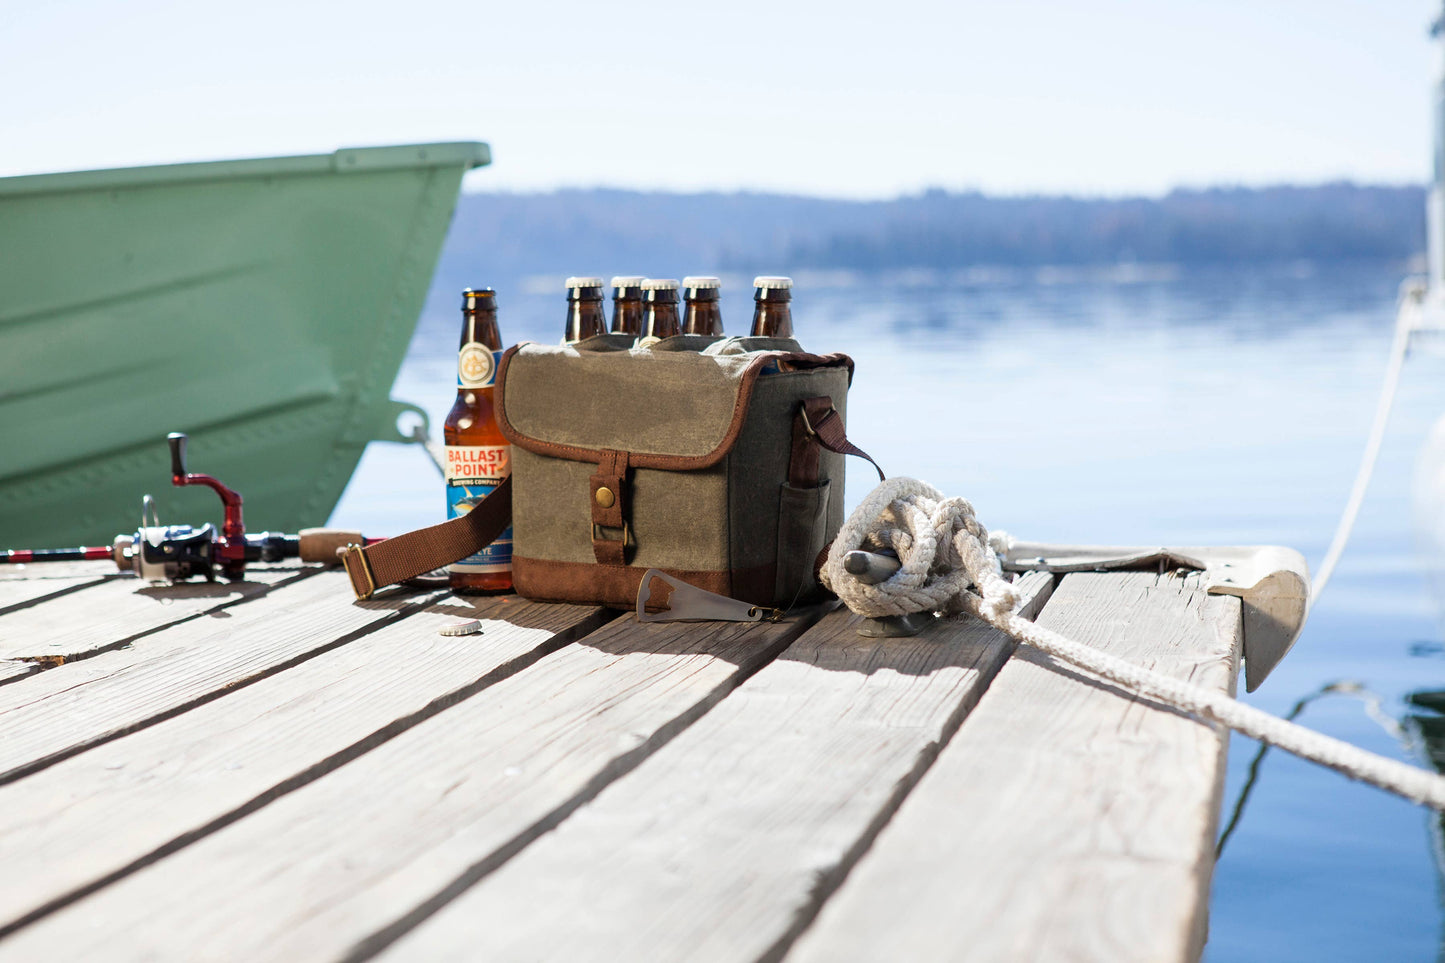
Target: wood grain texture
[99, 814]
[10, 671]
[64, 710]
[109, 614]
[718, 846]
[23, 585]
[318, 869]
[1066, 820]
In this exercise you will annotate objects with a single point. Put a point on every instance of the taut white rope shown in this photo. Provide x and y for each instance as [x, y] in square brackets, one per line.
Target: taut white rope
[1399, 350]
[944, 554]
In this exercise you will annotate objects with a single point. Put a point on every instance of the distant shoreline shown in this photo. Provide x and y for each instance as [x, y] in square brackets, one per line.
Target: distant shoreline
[951, 235]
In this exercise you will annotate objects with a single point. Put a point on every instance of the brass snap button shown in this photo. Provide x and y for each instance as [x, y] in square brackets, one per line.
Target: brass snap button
[605, 498]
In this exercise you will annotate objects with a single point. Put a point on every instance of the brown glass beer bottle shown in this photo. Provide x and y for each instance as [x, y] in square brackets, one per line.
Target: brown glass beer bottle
[772, 315]
[660, 320]
[584, 309]
[477, 454]
[702, 314]
[627, 306]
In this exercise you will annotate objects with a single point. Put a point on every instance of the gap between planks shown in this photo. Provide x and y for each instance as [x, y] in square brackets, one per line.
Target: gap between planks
[113, 613]
[33, 583]
[725, 843]
[1068, 819]
[52, 715]
[311, 873]
[192, 775]
[13, 671]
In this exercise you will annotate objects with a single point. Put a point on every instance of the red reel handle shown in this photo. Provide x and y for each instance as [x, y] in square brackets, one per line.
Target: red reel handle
[233, 528]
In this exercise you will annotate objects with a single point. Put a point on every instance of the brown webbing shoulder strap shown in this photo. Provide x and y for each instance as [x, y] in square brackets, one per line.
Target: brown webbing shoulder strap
[818, 421]
[416, 553]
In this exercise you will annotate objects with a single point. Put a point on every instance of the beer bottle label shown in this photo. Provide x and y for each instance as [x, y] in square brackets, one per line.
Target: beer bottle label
[472, 472]
[477, 366]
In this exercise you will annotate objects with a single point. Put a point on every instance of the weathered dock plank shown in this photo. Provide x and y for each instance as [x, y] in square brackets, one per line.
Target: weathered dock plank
[112, 612]
[1066, 820]
[320, 868]
[725, 843]
[22, 585]
[10, 671]
[92, 818]
[64, 710]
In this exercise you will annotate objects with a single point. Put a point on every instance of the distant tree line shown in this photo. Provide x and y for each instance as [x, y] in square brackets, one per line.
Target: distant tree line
[505, 236]
[937, 229]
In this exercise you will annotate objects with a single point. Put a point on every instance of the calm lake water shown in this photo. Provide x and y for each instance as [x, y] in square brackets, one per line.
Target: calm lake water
[1141, 406]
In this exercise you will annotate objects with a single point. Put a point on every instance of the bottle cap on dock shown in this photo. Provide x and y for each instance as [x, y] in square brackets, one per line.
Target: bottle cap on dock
[659, 284]
[628, 281]
[701, 282]
[575, 283]
[773, 284]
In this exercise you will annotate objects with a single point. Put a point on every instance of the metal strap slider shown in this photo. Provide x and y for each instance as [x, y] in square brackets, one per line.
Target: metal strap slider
[808, 425]
[365, 566]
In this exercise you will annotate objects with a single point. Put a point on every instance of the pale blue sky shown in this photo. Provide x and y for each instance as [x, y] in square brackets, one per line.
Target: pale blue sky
[843, 99]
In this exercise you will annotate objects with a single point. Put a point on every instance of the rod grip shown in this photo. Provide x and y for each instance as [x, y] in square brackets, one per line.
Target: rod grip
[320, 544]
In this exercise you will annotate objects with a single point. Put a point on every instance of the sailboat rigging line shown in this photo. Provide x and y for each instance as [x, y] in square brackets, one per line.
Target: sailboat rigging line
[1399, 350]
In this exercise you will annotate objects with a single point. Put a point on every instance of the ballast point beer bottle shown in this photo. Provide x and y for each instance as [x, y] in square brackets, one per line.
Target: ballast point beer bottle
[627, 306]
[702, 314]
[584, 309]
[772, 315]
[660, 320]
[478, 457]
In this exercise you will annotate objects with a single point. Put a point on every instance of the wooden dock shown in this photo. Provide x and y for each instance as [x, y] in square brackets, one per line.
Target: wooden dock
[271, 770]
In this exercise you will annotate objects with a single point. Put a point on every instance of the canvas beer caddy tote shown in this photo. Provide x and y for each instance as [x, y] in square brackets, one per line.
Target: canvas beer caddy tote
[718, 462]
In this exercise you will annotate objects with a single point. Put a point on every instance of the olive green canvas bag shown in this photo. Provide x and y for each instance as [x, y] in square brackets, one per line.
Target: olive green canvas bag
[717, 462]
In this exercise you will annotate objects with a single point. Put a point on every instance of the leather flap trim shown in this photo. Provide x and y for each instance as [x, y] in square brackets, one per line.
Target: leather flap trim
[784, 361]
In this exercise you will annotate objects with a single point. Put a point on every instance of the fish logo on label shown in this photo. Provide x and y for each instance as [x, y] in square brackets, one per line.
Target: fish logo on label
[475, 367]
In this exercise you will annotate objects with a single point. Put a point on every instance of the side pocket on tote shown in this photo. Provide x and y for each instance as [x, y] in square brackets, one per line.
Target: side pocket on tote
[802, 533]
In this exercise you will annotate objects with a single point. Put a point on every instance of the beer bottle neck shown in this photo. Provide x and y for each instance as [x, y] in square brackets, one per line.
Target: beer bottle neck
[480, 327]
[772, 319]
[585, 319]
[627, 316]
[661, 321]
[477, 353]
[703, 317]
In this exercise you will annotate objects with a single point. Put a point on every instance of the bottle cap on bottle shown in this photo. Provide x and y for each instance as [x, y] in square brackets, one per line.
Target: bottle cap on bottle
[773, 284]
[659, 284]
[628, 281]
[574, 283]
[470, 297]
[701, 282]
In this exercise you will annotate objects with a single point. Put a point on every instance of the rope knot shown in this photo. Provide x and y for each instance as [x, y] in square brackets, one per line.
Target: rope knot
[942, 549]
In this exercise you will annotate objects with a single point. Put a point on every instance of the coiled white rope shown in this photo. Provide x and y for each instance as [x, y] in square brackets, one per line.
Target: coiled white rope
[947, 566]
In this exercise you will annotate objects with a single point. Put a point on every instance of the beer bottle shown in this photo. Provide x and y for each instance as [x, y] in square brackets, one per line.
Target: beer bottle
[772, 317]
[702, 314]
[627, 307]
[660, 320]
[478, 457]
[584, 309]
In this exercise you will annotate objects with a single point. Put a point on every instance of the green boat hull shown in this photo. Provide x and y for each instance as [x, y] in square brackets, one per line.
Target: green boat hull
[261, 306]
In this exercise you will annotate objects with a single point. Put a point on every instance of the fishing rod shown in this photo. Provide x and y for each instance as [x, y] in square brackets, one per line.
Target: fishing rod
[174, 553]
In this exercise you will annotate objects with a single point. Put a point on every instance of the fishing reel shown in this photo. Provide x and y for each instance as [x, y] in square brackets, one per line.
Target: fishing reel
[174, 553]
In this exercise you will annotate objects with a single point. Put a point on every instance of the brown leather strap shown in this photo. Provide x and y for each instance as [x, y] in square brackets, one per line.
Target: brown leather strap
[818, 423]
[608, 492]
[416, 553]
[803, 462]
